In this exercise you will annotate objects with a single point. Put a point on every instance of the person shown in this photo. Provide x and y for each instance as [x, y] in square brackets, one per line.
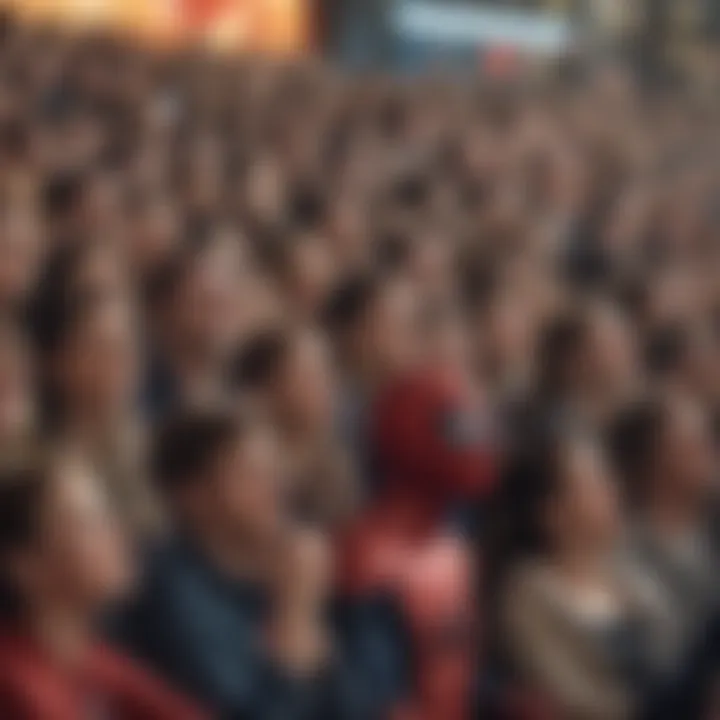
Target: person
[63, 561]
[89, 366]
[587, 364]
[154, 231]
[234, 607]
[304, 268]
[373, 320]
[17, 399]
[65, 205]
[288, 375]
[691, 692]
[570, 621]
[191, 307]
[434, 453]
[21, 254]
[665, 448]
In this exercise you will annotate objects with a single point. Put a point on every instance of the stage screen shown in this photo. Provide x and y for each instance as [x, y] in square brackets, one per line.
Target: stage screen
[256, 25]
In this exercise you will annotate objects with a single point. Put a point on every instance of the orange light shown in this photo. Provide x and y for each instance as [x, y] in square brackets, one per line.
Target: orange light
[266, 25]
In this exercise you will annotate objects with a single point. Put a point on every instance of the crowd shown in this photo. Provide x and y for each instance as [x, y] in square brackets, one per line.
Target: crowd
[353, 398]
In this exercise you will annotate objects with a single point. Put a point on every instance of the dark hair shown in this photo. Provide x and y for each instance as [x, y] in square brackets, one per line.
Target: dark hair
[516, 533]
[411, 191]
[275, 248]
[666, 349]
[633, 439]
[187, 445]
[480, 279]
[350, 300]
[530, 480]
[14, 138]
[259, 359]
[560, 341]
[307, 207]
[63, 194]
[393, 251]
[164, 281]
[168, 277]
[22, 492]
[56, 311]
[58, 298]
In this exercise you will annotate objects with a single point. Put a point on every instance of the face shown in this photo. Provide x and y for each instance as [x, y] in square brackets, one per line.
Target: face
[207, 312]
[507, 335]
[611, 353]
[247, 491]
[688, 461]
[432, 266]
[15, 397]
[154, 235]
[313, 273]
[19, 255]
[80, 556]
[306, 387]
[101, 272]
[391, 338]
[448, 346]
[586, 510]
[99, 367]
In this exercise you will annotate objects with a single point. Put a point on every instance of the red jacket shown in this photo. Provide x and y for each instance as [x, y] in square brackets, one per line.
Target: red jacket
[434, 447]
[32, 687]
[431, 576]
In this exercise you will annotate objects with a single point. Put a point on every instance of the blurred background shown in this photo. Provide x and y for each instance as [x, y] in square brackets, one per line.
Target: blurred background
[408, 35]
[359, 359]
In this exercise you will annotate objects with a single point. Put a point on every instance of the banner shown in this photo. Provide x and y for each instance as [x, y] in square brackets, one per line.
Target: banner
[282, 26]
[463, 23]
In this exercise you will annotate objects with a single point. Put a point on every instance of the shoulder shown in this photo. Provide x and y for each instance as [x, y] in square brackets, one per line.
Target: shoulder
[137, 690]
[528, 592]
[173, 567]
[370, 560]
[172, 593]
[28, 686]
[532, 580]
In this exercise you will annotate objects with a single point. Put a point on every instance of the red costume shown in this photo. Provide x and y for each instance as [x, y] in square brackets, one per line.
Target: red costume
[33, 687]
[432, 448]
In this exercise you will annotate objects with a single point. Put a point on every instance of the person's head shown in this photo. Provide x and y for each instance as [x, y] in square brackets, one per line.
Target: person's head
[375, 322]
[561, 498]
[154, 231]
[16, 393]
[88, 351]
[610, 353]
[663, 447]
[503, 335]
[290, 374]
[61, 549]
[65, 204]
[586, 353]
[682, 355]
[80, 267]
[20, 253]
[220, 475]
[304, 267]
[192, 302]
[433, 439]
[445, 342]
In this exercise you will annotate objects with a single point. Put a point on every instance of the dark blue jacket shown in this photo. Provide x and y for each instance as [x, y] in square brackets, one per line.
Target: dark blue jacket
[204, 633]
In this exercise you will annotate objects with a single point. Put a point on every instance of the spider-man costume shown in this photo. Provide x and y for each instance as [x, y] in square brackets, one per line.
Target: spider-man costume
[433, 452]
